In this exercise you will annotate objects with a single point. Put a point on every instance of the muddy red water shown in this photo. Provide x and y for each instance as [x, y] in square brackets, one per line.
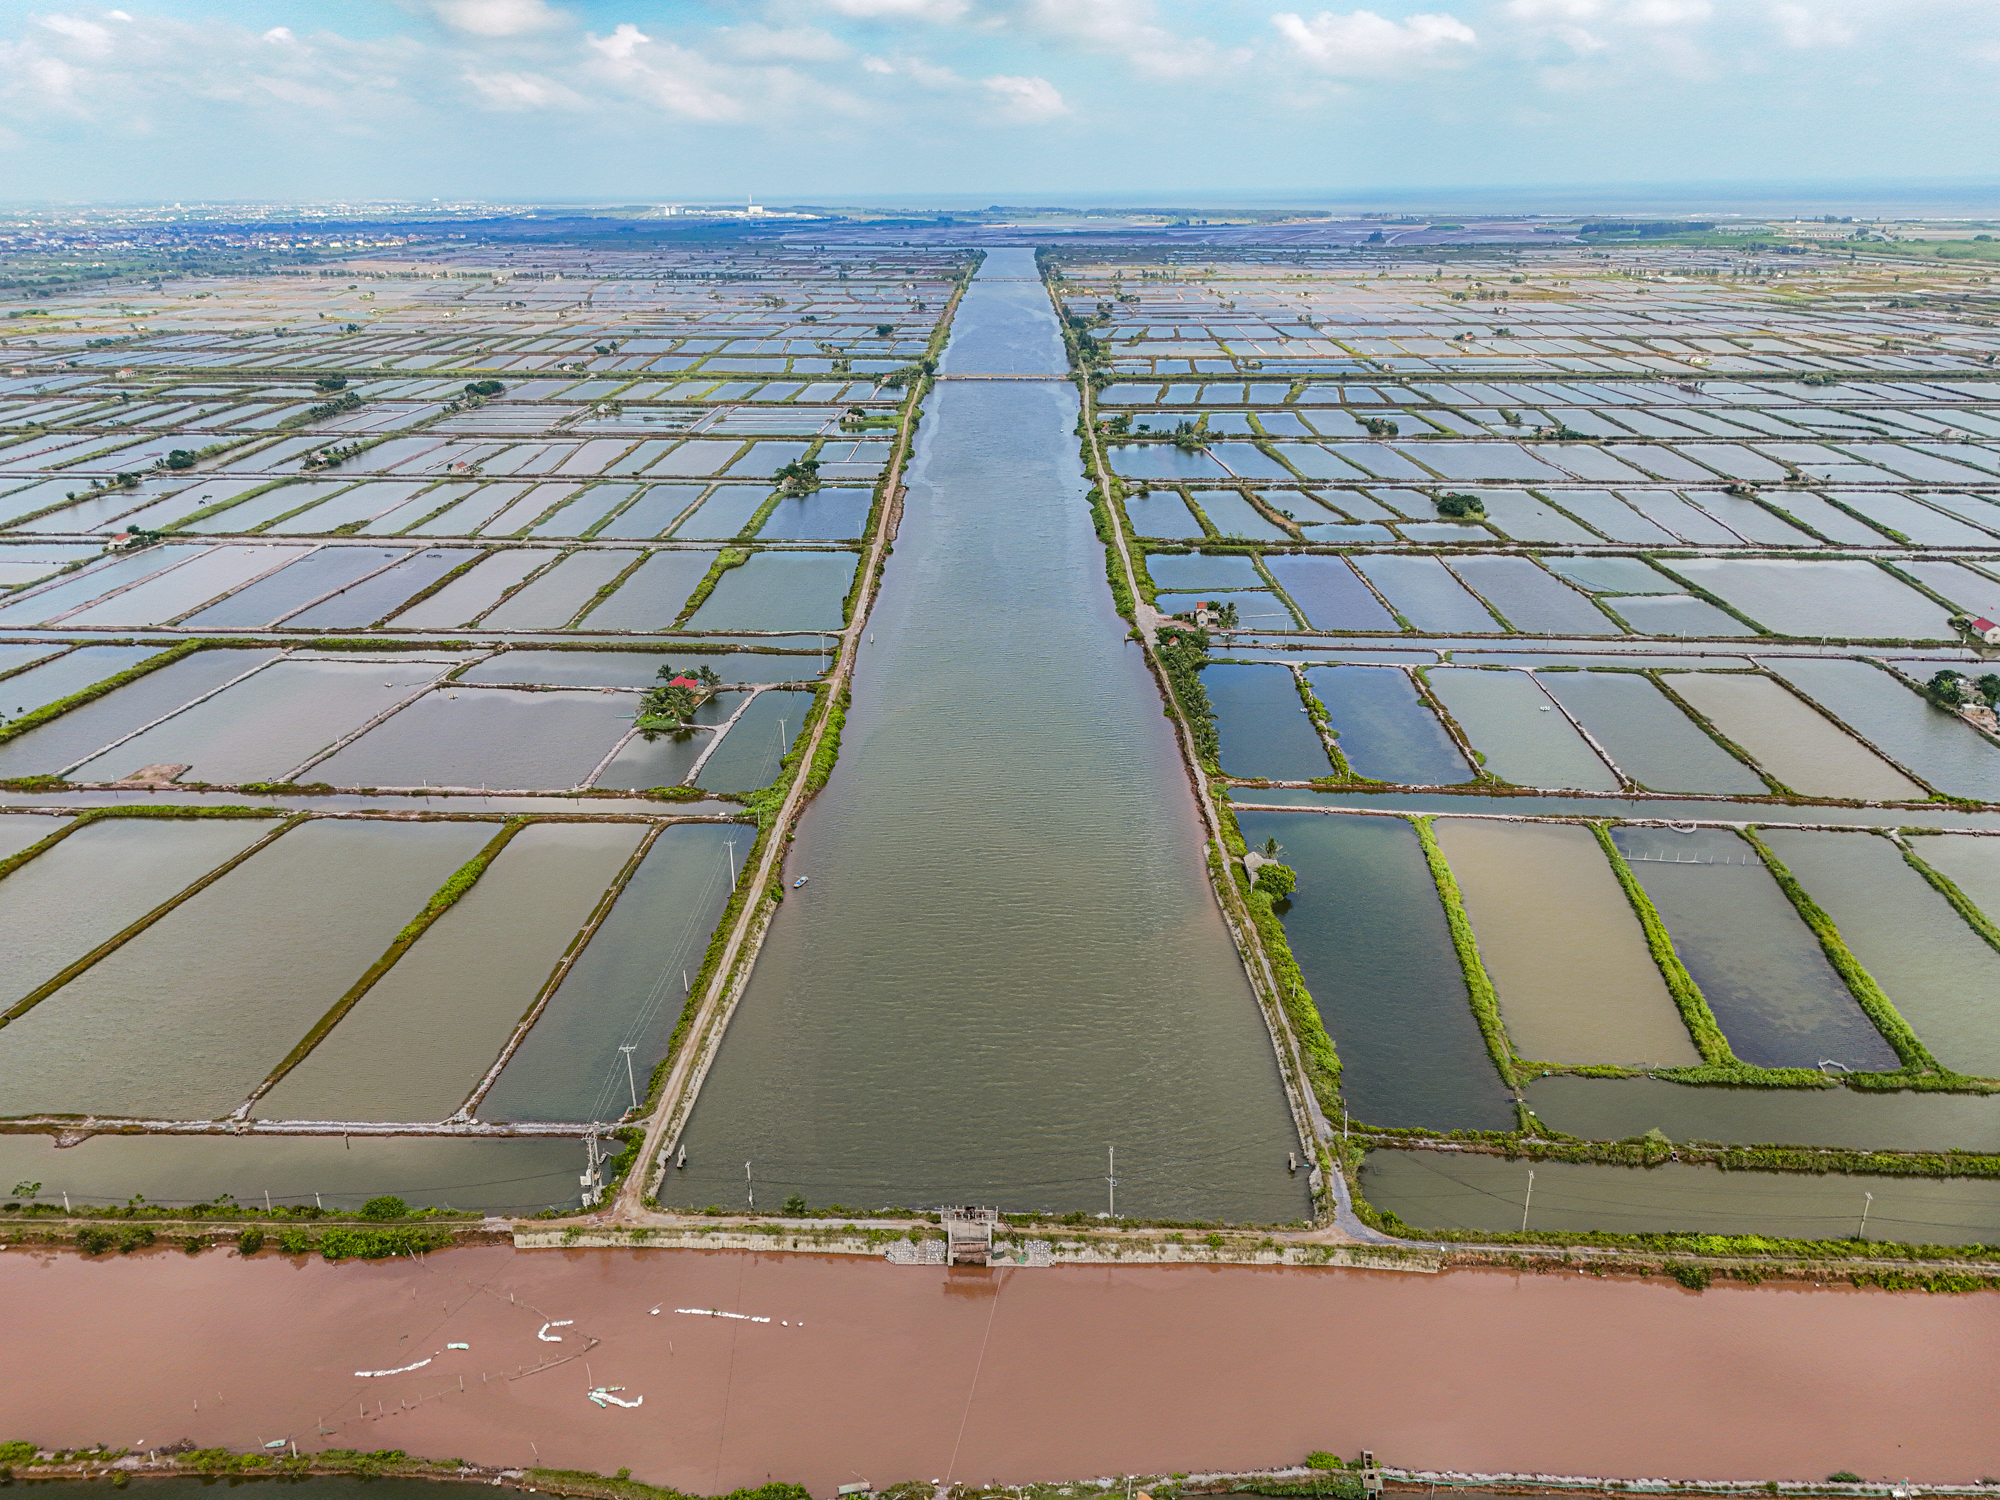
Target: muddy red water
[842, 1369]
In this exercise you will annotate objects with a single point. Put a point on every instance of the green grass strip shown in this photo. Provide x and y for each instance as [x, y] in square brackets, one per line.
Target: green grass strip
[829, 745]
[1701, 1023]
[61, 706]
[727, 558]
[1485, 1003]
[110, 945]
[63, 830]
[463, 879]
[1867, 993]
[1943, 884]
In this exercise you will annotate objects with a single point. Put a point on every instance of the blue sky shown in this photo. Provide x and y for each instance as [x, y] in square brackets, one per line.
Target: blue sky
[836, 100]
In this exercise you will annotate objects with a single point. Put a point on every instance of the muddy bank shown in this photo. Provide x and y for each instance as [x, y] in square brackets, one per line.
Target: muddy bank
[869, 1370]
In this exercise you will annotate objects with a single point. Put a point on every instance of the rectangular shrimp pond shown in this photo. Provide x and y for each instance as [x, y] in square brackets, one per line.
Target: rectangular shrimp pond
[380, 751]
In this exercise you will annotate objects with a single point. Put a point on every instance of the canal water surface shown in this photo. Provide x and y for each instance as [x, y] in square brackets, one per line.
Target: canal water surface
[1007, 960]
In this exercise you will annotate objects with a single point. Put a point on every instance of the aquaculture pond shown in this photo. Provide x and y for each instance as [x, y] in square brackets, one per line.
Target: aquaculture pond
[1775, 995]
[520, 1176]
[1384, 730]
[1936, 744]
[70, 672]
[503, 738]
[1971, 864]
[1024, 819]
[76, 735]
[1616, 1109]
[472, 593]
[1521, 734]
[752, 752]
[780, 591]
[1423, 591]
[1848, 599]
[553, 598]
[1264, 727]
[1453, 1190]
[1939, 974]
[653, 597]
[417, 1044]
[1647, 735]
[1801, 748]
[271, 723]
[1562, 946]
[291, 588]
[370, 600]
[627, 987]
[1369, 934]
[1531, 599]
[87, 887]
[208, 976]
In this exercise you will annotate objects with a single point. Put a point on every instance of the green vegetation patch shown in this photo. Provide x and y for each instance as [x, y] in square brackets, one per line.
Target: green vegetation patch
[1485, 1002]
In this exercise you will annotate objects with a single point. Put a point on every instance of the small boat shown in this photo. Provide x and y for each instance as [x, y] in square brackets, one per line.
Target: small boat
[800, 881]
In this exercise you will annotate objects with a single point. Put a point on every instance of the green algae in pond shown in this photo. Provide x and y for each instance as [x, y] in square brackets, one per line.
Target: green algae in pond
[626, 988]
[186, 1018]
[1936, 970]
[1562, 946]
[1773, 992]
[1370, 937]
[418, 1042]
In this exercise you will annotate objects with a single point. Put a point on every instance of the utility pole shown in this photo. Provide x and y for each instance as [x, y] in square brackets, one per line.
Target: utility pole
[732, 862]
[631, 1081]
[1527, 1200]
[753, 1189]
[1867, 1202]
[1111, 1182]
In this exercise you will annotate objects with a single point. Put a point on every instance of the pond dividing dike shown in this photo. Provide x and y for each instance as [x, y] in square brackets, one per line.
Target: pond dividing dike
[1006, 961]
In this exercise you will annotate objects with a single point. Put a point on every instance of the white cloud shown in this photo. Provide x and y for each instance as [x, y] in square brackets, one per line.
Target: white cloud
[498, 18]
[1801, 28]
[901, 10]
[756, 42]
[1127, 29]
[1554, 10]
[514, 92]
[1363, 44]
[279, 36]
[1025, 101]
[1668, 12]
[93, 39]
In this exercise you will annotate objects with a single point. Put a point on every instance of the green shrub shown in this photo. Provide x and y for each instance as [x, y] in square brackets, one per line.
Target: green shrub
[386, 1207]
[1277, 881]
[294, 1241]
[92, 1240]
[1695, 1278]
[250, 1241]
[19, 1451]
[134, 1237]
[1324, 1460]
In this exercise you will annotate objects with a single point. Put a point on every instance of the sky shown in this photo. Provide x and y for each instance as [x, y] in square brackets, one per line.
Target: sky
[843, 101]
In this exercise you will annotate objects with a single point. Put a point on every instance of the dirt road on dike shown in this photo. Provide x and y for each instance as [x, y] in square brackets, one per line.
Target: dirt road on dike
[844, 1368]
